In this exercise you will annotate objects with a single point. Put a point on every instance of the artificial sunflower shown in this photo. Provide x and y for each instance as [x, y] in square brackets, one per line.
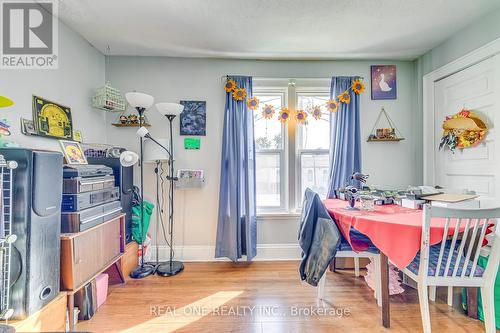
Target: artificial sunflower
[268, 111]
[284, 115]
[316, 112]
[239, 94]
[301, 116]
[344, 97]
[332, 105]
[253, 103]
[230, 86]
[358, 87]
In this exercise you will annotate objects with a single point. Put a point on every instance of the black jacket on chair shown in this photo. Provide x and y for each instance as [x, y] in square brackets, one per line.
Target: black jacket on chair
[319, 238]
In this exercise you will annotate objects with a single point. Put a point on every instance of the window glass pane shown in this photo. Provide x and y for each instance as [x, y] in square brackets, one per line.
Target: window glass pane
[315, 133]
[268, 132]
[314, 173]
[268, 180]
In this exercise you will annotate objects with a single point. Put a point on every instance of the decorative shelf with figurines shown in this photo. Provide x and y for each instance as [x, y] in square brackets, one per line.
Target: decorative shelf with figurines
[390, 133]
[131, 120]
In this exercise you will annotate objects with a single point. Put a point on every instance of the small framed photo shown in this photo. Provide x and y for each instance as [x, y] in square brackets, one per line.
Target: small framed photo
[28, 127]
[384, 85]
[77, 136]
[73, 152]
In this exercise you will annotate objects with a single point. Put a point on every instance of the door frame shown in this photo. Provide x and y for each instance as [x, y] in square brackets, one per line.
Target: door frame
[429, 140]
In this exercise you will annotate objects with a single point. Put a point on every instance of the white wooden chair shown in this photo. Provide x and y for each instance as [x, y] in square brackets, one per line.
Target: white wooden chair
[453, 263]
[375, 257]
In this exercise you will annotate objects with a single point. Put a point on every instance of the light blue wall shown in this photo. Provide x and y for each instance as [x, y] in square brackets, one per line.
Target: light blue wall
[480, 32]
[80, 72]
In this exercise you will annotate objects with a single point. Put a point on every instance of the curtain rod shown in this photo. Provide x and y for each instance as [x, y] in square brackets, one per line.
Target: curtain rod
[224, 77]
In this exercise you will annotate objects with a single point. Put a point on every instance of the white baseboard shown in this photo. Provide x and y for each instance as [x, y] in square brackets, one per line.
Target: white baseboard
[193, 253]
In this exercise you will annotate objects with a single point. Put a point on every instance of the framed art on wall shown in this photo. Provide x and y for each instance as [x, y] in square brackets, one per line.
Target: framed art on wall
[193, 119]
[52, 119]
[28, 127]
[384, 85]
[73, 152]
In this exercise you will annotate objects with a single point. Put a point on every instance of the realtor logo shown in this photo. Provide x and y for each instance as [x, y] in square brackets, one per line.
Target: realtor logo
[29, 34]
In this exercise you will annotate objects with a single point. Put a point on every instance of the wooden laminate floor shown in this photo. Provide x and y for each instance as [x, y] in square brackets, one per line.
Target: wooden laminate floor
[261, 297]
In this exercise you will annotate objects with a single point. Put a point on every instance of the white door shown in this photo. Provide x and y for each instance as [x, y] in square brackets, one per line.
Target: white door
[476, 88]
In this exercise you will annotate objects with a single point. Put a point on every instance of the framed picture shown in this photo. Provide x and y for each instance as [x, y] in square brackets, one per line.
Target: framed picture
[73, 152]
[384, 85]
[28, 127]
[52, 119]
[193, 119]
[77, 136]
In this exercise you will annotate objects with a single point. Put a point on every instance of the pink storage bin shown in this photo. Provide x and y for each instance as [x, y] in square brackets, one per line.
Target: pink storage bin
[101, 282]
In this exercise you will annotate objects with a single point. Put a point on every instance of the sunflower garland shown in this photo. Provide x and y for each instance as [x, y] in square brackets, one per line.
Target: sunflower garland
[230, 85]
[332, 105]
[345, 97]
[284, 115]
[268, 111]
[358, 87]
[316, 112]
[301, 116]
[239, 94]
[253, 103]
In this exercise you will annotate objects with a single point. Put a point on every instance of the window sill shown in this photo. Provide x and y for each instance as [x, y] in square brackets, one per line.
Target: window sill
[278, 216]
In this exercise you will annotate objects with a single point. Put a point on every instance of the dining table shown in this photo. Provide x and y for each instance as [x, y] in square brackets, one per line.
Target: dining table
[395, 230]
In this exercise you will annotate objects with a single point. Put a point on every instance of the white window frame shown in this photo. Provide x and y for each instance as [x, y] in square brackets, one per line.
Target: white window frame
[290, 159]
[299, 152]
[283, 207]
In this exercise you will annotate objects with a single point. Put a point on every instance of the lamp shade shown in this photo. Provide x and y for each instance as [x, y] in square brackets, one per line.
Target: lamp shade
[169, 108]
[139, 100]
[142, 132]
[128, 158]
[153, 152]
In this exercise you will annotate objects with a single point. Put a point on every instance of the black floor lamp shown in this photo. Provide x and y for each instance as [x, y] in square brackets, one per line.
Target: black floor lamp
[154, 153]
[171, 267]
[141, 102]
[170, 110]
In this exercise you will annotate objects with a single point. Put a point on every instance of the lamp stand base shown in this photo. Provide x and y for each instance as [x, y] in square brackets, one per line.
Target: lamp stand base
[142, 271]
[169, 268]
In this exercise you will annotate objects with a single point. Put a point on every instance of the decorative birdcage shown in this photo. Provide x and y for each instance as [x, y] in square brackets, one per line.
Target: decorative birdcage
[108, 98]
[6, 235]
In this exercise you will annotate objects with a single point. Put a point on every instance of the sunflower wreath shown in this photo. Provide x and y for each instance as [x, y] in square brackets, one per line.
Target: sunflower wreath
[463, 130]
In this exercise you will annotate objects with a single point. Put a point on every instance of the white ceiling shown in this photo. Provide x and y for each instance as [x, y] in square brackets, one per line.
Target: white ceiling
[271, 29]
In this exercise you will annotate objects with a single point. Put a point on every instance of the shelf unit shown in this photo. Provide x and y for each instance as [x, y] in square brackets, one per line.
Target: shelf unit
[6, 235]
[86, 254]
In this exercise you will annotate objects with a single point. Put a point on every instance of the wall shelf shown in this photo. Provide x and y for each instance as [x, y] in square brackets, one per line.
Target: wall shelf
[130, 125]
[385, 140]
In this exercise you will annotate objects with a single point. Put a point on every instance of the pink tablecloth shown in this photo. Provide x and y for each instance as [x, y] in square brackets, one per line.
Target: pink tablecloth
[396, 231]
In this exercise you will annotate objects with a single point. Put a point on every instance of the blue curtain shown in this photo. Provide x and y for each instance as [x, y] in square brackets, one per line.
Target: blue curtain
[345, 136]
[237, 227]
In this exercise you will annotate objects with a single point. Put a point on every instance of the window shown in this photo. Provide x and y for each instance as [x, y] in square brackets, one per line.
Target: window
[313, 144]
[269, 138]
[290, 157]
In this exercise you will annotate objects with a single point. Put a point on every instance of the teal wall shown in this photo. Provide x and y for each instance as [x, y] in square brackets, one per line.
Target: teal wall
[482, 31]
